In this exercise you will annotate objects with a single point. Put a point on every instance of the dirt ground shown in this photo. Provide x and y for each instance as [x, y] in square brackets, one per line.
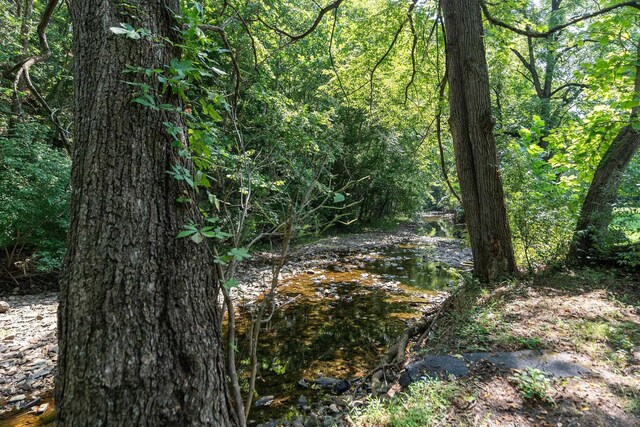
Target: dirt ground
[591, 314]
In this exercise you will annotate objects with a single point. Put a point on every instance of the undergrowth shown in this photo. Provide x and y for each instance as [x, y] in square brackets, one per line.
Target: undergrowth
[425, 403]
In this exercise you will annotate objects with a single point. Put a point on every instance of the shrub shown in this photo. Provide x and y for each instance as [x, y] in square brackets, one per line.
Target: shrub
[34, 199]
[533, 385]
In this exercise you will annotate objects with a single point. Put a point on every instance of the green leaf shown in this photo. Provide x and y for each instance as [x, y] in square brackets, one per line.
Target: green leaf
[118, 30]
[127, 30]
[231, 283]
[214, 200]
[223, 259]
[338, 197]
[219, 71]
[239, 254]
[197, 238]
[186, 233]
[215, 233]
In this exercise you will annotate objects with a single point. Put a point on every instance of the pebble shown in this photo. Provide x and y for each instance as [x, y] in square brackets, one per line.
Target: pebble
[27, 364]
[327, 382]
[303, 383]
[264, 401]
[312, 421]
[302, 401]
[17, 398]
[4, 306]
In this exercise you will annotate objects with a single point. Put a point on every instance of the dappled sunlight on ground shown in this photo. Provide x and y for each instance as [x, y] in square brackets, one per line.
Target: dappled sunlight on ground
[592, 317]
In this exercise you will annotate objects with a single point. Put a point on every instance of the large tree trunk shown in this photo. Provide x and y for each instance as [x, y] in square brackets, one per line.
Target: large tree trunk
[139, 337]
[597, 207]
[474, 144]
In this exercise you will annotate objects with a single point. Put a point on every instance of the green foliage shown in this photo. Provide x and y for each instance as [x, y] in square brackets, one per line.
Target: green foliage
[542, 203]
[534, 385]
[275, 365]
[350, 124]
[529, 343]
[34, 198]
[425, 403]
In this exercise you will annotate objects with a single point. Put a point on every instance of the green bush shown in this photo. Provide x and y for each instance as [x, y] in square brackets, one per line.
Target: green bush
[34, 199]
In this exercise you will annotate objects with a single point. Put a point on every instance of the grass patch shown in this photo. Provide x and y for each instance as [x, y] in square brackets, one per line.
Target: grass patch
[611, 343]
[478, 322]
[425, 403]
[534, 385]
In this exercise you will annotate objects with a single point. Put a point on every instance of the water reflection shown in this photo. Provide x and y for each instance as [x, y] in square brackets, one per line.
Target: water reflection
[341, 320]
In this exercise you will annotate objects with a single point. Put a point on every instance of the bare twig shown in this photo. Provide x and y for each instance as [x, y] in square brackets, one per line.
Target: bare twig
[443, 167]
[333, 65]
[62, 132]
[234, 62]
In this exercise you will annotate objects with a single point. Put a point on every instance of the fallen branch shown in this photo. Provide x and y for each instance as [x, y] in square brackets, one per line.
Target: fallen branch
[445, 305]
[396, 355]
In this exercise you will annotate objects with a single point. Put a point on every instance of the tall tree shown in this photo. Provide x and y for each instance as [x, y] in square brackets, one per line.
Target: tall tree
[139, 336]
[474, 143]
[597, 207]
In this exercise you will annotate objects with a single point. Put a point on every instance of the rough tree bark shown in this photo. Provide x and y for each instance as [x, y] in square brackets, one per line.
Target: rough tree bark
[139, 336]
[597, 207]
[474, 144]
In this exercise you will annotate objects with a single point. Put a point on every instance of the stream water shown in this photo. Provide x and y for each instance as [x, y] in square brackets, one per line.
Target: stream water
[337, 322]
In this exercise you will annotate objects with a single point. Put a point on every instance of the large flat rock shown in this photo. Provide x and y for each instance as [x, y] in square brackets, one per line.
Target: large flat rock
[552, 363]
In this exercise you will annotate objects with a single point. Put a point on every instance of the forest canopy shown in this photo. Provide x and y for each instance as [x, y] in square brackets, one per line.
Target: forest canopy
[348, 96]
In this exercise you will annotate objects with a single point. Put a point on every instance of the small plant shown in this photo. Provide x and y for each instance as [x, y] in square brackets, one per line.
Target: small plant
[534, 384]
[276, 366]
[529, 343]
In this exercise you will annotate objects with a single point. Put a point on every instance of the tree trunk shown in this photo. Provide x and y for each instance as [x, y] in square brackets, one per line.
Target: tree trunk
[140, 341]
[474, 144]
[597, 207]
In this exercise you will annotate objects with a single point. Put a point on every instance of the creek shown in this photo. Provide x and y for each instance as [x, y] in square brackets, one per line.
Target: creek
[337, 321]
[334, 319]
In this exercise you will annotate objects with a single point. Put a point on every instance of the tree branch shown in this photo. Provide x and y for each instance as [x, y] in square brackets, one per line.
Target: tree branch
[296, 37]
[234, 62]
[383, 57]
[45, 51]
[567, 85]
[333, 64]
[442, 86]
[61, 131]
[413, 53]
[542, 34]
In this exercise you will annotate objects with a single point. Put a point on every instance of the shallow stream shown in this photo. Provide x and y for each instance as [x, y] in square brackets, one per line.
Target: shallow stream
[338, 321]
[333, 322]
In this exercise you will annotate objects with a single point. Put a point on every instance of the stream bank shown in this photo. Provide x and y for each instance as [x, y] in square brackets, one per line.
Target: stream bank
[343, 300]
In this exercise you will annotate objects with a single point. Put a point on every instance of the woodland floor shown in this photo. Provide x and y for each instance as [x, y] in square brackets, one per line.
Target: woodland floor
[592, 315]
